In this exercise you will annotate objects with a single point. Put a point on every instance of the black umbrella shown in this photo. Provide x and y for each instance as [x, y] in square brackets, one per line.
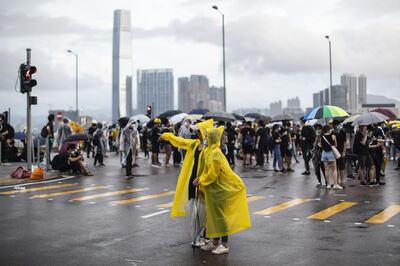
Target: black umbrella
[282, 117]
[169, 113]
[123, 121]
[257, 117]
[77, 137]
[238, 117]
[200, 111]
[220, 116]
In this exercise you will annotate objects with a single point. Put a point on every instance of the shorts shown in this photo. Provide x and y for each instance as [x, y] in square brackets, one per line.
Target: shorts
[328, 156]
[247, 149]
[341, 163]
[365, 160]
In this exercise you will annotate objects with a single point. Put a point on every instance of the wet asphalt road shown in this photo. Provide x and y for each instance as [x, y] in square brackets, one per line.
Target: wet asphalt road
[68, 228]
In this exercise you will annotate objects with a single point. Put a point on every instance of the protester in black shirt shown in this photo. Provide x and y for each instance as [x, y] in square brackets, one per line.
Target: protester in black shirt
[89, 144]
[6, 135]
[286, 148]
[231, 135]
[360, 148]
[276, 138]
[155, 142]
[307, 138]
[248, 135]
[340, 135]
[327, 141]
[261, 142]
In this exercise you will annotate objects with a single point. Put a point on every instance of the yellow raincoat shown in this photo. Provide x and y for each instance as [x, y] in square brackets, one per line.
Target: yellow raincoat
[182, 185]
[224, 192]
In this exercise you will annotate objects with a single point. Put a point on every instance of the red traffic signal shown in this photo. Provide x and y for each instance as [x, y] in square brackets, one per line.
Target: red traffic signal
[25, 77]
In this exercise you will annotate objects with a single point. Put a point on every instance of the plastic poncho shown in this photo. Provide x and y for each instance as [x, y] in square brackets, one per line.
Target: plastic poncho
[182, 186]
[129, 140]
[224, 192]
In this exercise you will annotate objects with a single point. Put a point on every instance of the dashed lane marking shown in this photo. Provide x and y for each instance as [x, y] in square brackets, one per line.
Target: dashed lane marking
[12, 192]
[41, 196]
[324, 214]
[254, 198]
[384, 215]
[154, 214]
[165, 205]
[108, 194]
[142, 198]
[280, 207]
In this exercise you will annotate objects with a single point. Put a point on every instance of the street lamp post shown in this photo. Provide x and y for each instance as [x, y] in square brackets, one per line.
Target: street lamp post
[330, 63]
[223, 52]
[76, 81]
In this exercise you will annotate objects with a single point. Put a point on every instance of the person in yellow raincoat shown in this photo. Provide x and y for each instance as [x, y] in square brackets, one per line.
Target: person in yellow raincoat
[192, 165]
[225, 196]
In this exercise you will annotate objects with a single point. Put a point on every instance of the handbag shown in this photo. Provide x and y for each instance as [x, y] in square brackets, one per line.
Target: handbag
[336, 153]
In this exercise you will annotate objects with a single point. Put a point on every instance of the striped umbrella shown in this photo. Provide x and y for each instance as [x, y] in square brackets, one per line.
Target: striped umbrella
[326, 111]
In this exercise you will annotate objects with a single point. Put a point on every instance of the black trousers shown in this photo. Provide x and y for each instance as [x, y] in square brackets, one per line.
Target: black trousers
[98, 158]
[128, 167]
[231, 155]
[176, 155]
[260, 156]
[306, 151]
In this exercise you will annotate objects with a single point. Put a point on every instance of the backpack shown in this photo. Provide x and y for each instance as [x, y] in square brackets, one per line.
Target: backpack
[248, 139]
[54, 162]
[20, 173]
[44, 133]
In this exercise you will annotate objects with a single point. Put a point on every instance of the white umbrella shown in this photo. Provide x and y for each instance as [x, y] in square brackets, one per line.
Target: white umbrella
[177, 118]
[142, 118]
[369, 119]
[351, 119]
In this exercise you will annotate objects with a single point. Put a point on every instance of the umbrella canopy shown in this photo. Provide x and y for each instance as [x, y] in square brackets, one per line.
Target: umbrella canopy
[200, 111]
[193, 117]
[282, 117]
[386, 112]
[325, 111]
[76, 137]
[351, 119]
[369, 119]
[141, 117]
[220, 116]
[257, 117]
[169, 113]
[239, 117]
[177, 118]
[123, 121]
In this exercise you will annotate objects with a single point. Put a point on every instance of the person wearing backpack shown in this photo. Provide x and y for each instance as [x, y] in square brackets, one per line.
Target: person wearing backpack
[248, 135]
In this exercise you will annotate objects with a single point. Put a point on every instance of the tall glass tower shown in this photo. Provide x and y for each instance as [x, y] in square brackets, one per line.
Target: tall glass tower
[122, 65]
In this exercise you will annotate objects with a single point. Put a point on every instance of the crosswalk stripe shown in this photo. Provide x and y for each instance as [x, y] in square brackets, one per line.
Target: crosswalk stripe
[154, 214]
[12, 192]
[328, 212]
[142, 198]
[165, 205]
[282, 206]
[41, 196]
[384, 215]
[254, 198]
[108, 194]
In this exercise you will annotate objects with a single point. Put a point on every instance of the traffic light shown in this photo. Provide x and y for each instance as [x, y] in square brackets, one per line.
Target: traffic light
[25, 78]
[148, 111]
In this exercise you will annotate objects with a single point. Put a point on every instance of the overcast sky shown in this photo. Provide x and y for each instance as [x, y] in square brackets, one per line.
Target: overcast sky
[275, 49]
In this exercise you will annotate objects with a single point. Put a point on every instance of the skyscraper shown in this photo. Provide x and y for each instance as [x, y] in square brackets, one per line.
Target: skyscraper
[155, 87]
[122, 65]
[339, 96]
[199, 91]
[350, 81]
[362, 89]
[275, 108]
[316, 101]
[184, 99]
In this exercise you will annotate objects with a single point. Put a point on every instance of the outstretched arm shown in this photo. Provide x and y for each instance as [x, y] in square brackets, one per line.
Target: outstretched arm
[178, 142]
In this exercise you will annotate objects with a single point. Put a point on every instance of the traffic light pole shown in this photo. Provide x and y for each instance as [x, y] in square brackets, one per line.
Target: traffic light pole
[28, 120]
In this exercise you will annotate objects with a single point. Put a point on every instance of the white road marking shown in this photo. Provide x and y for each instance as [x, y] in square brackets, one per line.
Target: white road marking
[358, 223]
[327, 221]
[50, 199]
[154, 214]
[92, 202]
[267, 216]
[296, 219]
[390, 225]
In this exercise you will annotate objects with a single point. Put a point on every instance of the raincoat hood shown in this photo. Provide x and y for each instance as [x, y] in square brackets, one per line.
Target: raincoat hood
[214, 136]
[204, 126]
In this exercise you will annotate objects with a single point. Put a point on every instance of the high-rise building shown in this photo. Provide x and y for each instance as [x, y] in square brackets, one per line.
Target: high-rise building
[362, 89]
[316, 101]
[275, 108]
[293, 102]
[122, 65]
[339, 96]
[199, 91]
[184, 99]
[216, 95]
[327, 97]
[155, 87]
[350, 81]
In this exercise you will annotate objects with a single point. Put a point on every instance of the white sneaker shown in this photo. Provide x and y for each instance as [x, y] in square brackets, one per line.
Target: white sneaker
[202, 242]
[337, 187]
[221, 249]
[210, 246]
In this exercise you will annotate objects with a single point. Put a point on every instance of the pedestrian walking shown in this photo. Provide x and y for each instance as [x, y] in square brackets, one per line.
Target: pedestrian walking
[48, 133]
[340, 134]
[167, 128]
[99, 143]
[316, 152]
[276, 137]
[89, 145]
[129, 142]
[286, 149]
[307, 139]
[231, 138]
[155, 134]
[261, 143]
[248, 137]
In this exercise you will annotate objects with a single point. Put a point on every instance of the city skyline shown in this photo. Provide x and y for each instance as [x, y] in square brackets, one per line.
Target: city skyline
[185, 35]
